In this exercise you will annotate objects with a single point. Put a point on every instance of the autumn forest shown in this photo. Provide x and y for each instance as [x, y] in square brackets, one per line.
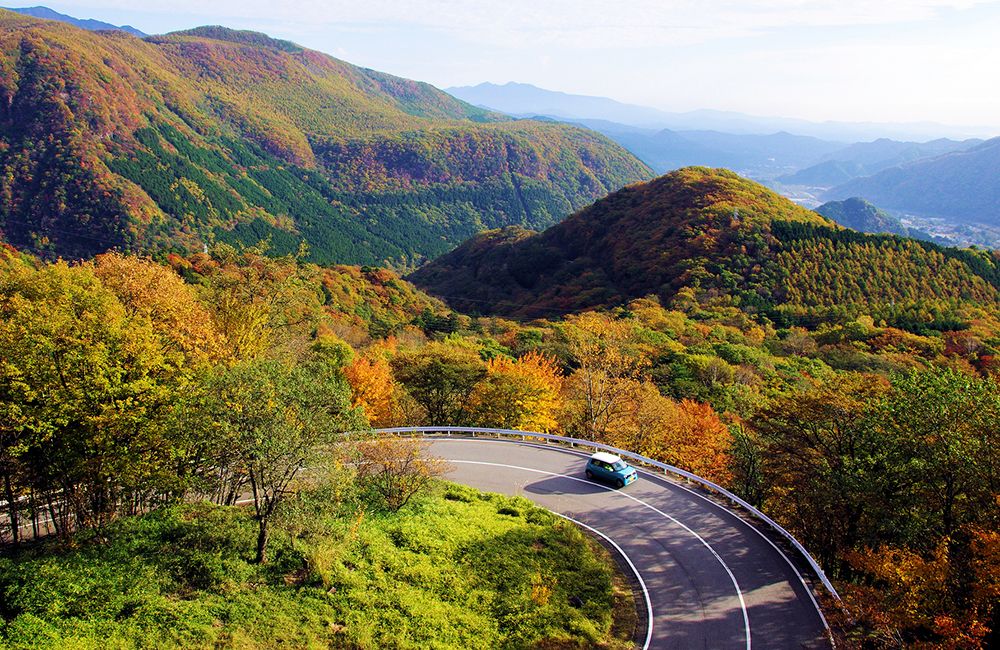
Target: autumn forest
[222, 252]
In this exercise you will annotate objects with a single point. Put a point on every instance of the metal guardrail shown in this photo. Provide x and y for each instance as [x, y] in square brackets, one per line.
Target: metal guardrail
[669, 469]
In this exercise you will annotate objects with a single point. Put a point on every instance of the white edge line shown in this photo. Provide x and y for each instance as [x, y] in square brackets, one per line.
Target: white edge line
[642, 583]
[719, 506]
[798, 574]
[739, 592]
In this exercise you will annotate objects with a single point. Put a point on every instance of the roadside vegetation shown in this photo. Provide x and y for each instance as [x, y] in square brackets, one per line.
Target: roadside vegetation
[128, 385]
[456, 568]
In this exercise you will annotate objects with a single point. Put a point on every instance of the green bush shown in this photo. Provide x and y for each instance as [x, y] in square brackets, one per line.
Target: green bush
[457, 569]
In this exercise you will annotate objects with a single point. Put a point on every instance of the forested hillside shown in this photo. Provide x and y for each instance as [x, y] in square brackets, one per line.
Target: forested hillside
[717, 238]
[172, 142]
[857, 214]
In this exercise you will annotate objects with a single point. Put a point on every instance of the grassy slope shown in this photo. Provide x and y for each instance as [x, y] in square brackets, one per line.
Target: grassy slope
[109, 140]
[458, 569]
[716, 233]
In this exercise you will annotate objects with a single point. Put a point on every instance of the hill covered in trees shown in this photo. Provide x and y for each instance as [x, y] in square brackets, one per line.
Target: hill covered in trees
[711, 236]
[857, 214]
[171, 142]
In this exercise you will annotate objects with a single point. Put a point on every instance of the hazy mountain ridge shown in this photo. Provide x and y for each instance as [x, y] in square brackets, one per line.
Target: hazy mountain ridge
[869, 158]
[86, 23]
[213, 133]
[519, 99]
[961, 185]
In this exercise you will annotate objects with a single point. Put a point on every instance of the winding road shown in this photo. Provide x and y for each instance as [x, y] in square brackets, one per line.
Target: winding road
[710, 579]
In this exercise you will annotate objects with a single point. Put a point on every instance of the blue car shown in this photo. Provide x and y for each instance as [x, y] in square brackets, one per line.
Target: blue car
[611, 469]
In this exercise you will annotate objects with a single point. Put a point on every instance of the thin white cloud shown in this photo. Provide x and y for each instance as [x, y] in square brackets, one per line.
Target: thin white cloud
[586, 24]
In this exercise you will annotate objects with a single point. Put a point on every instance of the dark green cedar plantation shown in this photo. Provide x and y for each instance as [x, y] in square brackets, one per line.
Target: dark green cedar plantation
[712, 235]
[168, 142]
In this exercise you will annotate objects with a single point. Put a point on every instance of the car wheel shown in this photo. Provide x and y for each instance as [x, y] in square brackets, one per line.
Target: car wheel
[619, 483]
[590, 475]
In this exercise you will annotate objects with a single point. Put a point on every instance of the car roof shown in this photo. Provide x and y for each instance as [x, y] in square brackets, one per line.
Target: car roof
[605, 457]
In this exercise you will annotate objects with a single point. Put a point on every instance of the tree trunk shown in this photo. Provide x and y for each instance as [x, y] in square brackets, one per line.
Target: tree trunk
[262, 541]
[15, 525]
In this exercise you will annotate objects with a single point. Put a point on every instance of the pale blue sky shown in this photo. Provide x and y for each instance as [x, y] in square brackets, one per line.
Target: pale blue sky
[851, 60]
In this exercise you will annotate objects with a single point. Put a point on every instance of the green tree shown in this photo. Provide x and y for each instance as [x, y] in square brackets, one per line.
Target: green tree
[440, 377]
[832, 477]
[948, 427]
[84, 385]
[271, 420]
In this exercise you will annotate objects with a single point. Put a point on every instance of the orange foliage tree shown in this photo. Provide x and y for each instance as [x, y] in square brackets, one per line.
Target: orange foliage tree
[372, 388]
[944, 599]
[687, 434]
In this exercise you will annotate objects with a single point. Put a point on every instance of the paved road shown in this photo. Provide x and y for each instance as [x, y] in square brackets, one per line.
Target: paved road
[712, 580]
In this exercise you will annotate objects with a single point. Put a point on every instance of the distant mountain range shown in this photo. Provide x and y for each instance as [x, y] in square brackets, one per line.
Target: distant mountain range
[89, 24]
[867, 158]
[524, 99]
[704, 234]
[792, 160]
[963, 185]
[171, 142]
[755, 156]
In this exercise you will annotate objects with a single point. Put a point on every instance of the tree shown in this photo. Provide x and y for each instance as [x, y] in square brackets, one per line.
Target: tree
[609, 364]
[439, 376]
[373, 388]
[84, 385]
[686, 434]
[150, 290]
[947, 426]
[396, 469]
[258, 303]
[944, 597]
[272, 420]
[522, 394]
[831, 475]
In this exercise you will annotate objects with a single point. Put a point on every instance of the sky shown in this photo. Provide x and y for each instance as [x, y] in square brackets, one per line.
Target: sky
[843, 60]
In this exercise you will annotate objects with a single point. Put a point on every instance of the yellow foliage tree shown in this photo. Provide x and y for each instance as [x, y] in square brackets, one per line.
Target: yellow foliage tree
[610, 364]
[151, 291]
[522, 394]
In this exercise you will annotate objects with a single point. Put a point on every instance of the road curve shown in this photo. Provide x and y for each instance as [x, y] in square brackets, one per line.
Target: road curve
[712, 580]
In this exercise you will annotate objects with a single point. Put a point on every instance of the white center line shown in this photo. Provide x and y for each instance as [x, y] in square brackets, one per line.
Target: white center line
[736, 585]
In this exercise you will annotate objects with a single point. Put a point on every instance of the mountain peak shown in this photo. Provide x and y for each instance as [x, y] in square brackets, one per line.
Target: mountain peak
[704, 233]
[240, 36]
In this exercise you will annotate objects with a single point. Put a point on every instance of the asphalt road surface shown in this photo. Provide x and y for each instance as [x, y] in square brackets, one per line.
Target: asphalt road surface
[710, 580]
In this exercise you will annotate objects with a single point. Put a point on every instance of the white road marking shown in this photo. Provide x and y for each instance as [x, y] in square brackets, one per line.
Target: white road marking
[661, 477]
[642, 583]
[719, 506]
[736, 585]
